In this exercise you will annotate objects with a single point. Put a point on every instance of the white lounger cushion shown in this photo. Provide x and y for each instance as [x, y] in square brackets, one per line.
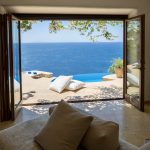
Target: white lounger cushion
[136, 66]
[132, 79]
[74, 85]
[60, 83]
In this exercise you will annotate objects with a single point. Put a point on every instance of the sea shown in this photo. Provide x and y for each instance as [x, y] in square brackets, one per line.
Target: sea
[70, 58]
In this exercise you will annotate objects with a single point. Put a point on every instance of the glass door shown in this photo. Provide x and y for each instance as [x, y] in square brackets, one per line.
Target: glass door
[14, 64]
[16, 61]
[135, 61]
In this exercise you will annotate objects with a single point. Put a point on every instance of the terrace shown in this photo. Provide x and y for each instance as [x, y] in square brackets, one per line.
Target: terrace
[38, 91]
[90, 54]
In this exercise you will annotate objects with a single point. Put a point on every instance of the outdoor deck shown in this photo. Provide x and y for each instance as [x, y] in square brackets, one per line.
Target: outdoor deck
[36, 91]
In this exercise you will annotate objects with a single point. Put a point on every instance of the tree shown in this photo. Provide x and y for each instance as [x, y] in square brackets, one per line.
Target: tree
[90, 28]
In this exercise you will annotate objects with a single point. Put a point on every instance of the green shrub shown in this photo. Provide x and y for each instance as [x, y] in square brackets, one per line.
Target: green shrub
[117, 63]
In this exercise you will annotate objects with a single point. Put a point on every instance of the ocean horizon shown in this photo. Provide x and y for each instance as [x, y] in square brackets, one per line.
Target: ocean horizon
[70, 58]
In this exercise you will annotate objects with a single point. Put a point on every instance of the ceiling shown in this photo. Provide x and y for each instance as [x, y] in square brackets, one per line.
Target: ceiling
[67, 6]
[66, 10]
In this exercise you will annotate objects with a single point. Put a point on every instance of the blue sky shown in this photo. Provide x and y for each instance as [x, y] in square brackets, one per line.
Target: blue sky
[40, 34]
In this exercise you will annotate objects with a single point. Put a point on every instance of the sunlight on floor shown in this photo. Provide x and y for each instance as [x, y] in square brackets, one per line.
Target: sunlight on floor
[133, 124]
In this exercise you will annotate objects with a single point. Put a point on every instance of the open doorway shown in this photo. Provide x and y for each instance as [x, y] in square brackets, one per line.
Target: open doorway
[90, 51]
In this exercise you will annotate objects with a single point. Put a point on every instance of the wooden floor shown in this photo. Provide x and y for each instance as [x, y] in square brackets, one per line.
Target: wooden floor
[134, 125]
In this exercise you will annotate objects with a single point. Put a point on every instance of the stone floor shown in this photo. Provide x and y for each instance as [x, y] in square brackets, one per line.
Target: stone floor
[134, 125]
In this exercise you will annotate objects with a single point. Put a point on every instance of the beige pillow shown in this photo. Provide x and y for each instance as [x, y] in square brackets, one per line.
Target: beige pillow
[145, 146]
[99, 134]
[64, 129]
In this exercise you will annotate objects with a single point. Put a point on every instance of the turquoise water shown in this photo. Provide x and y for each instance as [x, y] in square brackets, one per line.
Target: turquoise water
[92, 77]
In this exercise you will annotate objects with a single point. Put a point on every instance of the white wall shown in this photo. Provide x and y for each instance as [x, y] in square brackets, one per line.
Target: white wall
[142, 7]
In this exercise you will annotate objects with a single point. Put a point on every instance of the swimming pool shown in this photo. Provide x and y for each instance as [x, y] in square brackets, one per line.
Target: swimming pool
[91, 77]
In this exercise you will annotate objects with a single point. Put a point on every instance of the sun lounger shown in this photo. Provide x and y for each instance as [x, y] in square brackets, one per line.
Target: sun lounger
[39, 74]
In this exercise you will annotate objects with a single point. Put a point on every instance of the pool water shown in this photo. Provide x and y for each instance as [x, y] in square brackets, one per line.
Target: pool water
[92, 77]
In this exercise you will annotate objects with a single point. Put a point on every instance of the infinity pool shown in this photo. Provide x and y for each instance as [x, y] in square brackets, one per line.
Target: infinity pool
[92, 77]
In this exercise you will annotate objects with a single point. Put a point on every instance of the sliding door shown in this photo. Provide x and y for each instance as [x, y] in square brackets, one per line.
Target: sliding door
[135, 61]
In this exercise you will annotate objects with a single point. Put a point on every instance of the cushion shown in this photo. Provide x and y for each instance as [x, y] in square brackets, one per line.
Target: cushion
[133, 79]
[74, 85]
[145, 146]
[124, 145]
[20, 137]
[60, 83]
[99, 134]
[64, 129]
[136, 66]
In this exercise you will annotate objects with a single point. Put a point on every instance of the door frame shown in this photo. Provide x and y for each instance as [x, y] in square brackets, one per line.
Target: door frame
[14, 109]
[6, 116]
[5, 106]
[123, 18]
[69, 16]
[142, 67]
[79, 17]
